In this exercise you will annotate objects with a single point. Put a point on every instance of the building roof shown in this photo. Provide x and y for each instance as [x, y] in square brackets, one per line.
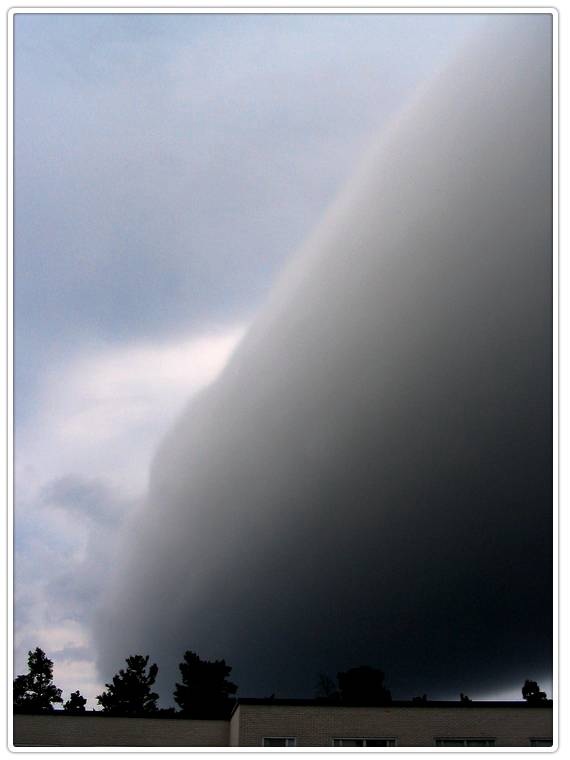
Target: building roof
[269, 701]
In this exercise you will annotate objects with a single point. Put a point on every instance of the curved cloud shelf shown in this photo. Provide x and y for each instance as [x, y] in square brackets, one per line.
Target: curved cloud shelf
[369, 481]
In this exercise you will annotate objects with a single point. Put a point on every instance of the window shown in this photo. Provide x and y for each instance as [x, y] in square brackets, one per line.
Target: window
[364, 742]
[541, 742]
[464, 742]
[279, 741]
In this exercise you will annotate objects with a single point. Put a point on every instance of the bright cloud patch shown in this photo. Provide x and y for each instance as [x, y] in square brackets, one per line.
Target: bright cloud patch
[92, 407]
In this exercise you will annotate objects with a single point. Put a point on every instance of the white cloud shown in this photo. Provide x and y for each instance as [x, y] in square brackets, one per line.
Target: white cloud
[103, 413]
[67, 633]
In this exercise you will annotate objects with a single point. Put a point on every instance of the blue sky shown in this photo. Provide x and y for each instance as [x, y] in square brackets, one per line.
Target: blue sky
[166, 167]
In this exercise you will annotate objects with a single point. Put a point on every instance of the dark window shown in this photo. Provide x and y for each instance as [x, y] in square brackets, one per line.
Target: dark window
[464, 742]
[541, 742]
[279, 741]
[364, 742]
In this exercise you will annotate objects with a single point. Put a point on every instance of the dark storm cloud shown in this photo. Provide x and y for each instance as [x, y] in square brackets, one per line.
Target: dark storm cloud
[370, 480]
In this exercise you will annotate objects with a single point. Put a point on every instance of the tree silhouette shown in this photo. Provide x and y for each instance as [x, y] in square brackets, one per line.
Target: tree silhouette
[130, 691]
[364, 686]
[326, 689]
[76, 703]
[20, 691]
[532, 693]
[205, 691]
[35, 691]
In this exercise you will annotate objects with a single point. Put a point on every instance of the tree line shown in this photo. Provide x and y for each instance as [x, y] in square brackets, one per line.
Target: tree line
[204, 691]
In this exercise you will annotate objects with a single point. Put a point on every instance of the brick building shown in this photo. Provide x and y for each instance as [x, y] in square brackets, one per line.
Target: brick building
[305, 723]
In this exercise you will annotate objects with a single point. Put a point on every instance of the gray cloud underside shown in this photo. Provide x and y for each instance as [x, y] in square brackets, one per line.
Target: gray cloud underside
[370, 479]
[86, 498]
[70, 580]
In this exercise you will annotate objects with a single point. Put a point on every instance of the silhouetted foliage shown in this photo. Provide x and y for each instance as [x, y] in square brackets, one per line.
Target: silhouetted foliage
[531, 692]
[326, 689]
[464, 698]
[19, 690]
[166, 712]
[364, 686]
[35, 691]
[205, 691]
[420, 700]
[130, 691]
[76, 703]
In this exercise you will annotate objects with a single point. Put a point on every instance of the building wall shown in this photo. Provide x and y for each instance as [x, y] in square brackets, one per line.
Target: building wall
[97, 731]
[316, 726]
[312, 726]
[234, 727]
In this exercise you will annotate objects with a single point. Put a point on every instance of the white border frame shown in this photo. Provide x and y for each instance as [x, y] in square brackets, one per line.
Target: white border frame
[233, 8]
